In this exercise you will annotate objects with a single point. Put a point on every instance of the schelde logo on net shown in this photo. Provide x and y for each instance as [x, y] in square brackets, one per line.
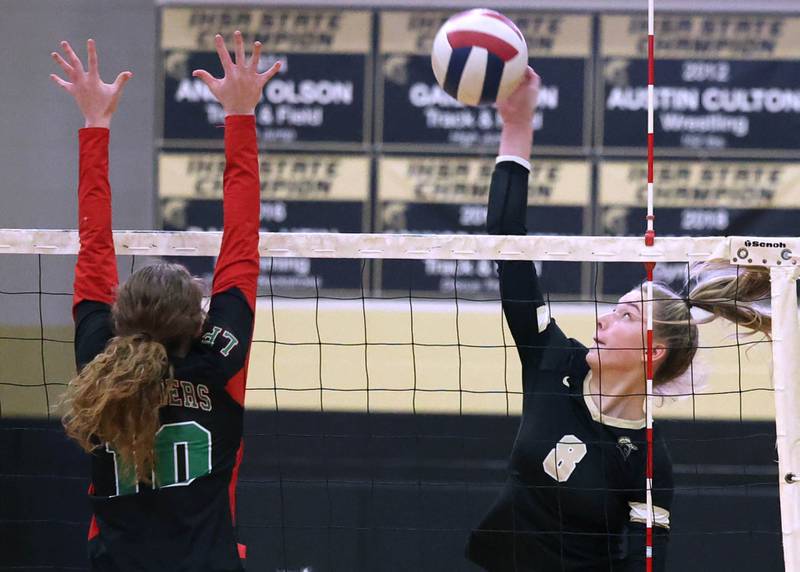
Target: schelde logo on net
[762, 244]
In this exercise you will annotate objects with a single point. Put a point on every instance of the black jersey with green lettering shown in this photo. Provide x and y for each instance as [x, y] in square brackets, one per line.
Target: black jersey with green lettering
[574, 499]
[188, 510]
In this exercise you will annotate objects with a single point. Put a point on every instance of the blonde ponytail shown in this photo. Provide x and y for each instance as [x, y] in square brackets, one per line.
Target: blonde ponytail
[738, 294]
[116, 399]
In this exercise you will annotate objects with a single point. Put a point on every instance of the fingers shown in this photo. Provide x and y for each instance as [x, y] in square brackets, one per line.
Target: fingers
[74, 60]
[60, 82]
[238, 44]
[270, 73]
[255, 56]
[61, 62]
[531, 75]
[222, 52]
[205, 77]
[92, 51]
[121, 80]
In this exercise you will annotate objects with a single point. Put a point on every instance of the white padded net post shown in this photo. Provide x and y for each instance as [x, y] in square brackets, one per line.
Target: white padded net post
[786, 375]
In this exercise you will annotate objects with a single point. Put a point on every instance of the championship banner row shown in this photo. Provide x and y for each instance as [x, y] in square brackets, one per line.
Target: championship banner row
[724, 82]
[332, 193]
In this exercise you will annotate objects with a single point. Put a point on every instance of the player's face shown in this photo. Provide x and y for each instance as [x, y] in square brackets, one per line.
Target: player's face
[619, 338]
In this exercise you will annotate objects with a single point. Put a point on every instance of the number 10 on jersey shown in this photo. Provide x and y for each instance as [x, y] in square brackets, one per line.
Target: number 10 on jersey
[183, 453]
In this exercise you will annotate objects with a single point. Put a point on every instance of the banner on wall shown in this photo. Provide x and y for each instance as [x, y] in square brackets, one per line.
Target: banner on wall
[696, 198]
[299, 193]
[449, 195]
[318, 97]
[723, 83]
[414, 110]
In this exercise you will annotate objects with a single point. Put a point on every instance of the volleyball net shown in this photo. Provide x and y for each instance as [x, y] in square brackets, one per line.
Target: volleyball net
[381, 407]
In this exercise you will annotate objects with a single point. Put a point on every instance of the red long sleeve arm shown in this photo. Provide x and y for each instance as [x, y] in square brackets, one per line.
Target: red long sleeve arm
[237, 265]
[96, 270]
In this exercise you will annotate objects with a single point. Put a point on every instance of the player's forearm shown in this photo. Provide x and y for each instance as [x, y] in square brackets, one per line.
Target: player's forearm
[519, 287]
[517, 139]
[508, 198]
[96, 269]
[238, 260]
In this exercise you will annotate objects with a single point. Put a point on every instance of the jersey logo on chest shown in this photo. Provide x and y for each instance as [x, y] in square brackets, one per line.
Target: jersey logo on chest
[626, 447]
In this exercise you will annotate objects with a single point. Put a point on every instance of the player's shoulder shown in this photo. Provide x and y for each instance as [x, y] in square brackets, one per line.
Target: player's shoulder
[219, 339]
[561, 352]
[228, 311]
[230, 299]
[215, 356]
[91, 312]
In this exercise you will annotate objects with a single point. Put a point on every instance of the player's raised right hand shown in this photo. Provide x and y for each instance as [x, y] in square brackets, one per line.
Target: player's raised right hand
[240, 89]
[520, 106]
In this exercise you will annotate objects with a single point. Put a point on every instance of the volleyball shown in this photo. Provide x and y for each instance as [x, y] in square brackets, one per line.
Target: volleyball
[479, 57]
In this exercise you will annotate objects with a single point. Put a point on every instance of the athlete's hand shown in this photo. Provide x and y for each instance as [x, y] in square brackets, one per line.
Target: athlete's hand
[520, 106]
[97, 100]
[240, 89]
[517, 112]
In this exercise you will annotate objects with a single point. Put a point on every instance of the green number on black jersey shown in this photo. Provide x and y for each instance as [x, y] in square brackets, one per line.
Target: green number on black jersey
[182, 453]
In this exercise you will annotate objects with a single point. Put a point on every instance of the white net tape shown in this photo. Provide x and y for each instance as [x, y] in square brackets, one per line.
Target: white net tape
[406, 246]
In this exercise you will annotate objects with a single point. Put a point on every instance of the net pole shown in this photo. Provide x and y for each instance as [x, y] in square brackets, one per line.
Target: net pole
[649, 419]
[649, 240]
[785, 369]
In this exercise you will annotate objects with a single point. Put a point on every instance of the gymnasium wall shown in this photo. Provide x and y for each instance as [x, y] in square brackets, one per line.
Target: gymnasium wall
[350, 489]
[39, 123]
[382, 153]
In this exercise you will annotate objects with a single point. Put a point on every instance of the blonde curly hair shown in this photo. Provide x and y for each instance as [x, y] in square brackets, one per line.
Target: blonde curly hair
[116, 397]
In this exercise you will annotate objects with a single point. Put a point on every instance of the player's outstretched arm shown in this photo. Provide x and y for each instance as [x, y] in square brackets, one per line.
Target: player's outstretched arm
[523, 304]
[96, 269]
[238, 91]
[233, 298]
[517, 112]
[508, 202]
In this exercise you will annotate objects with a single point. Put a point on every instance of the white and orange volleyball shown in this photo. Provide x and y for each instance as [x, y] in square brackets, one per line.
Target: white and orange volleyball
[479, 57]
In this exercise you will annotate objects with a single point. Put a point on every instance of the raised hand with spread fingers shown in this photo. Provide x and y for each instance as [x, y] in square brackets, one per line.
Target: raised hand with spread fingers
[239, 90]
[96, 99]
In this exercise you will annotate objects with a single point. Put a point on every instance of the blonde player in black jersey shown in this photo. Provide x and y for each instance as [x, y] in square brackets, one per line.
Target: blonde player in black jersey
[159, 396]
[575, 499]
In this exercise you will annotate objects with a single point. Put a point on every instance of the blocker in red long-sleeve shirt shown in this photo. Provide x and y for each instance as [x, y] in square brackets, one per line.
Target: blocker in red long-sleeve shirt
[187, 521]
